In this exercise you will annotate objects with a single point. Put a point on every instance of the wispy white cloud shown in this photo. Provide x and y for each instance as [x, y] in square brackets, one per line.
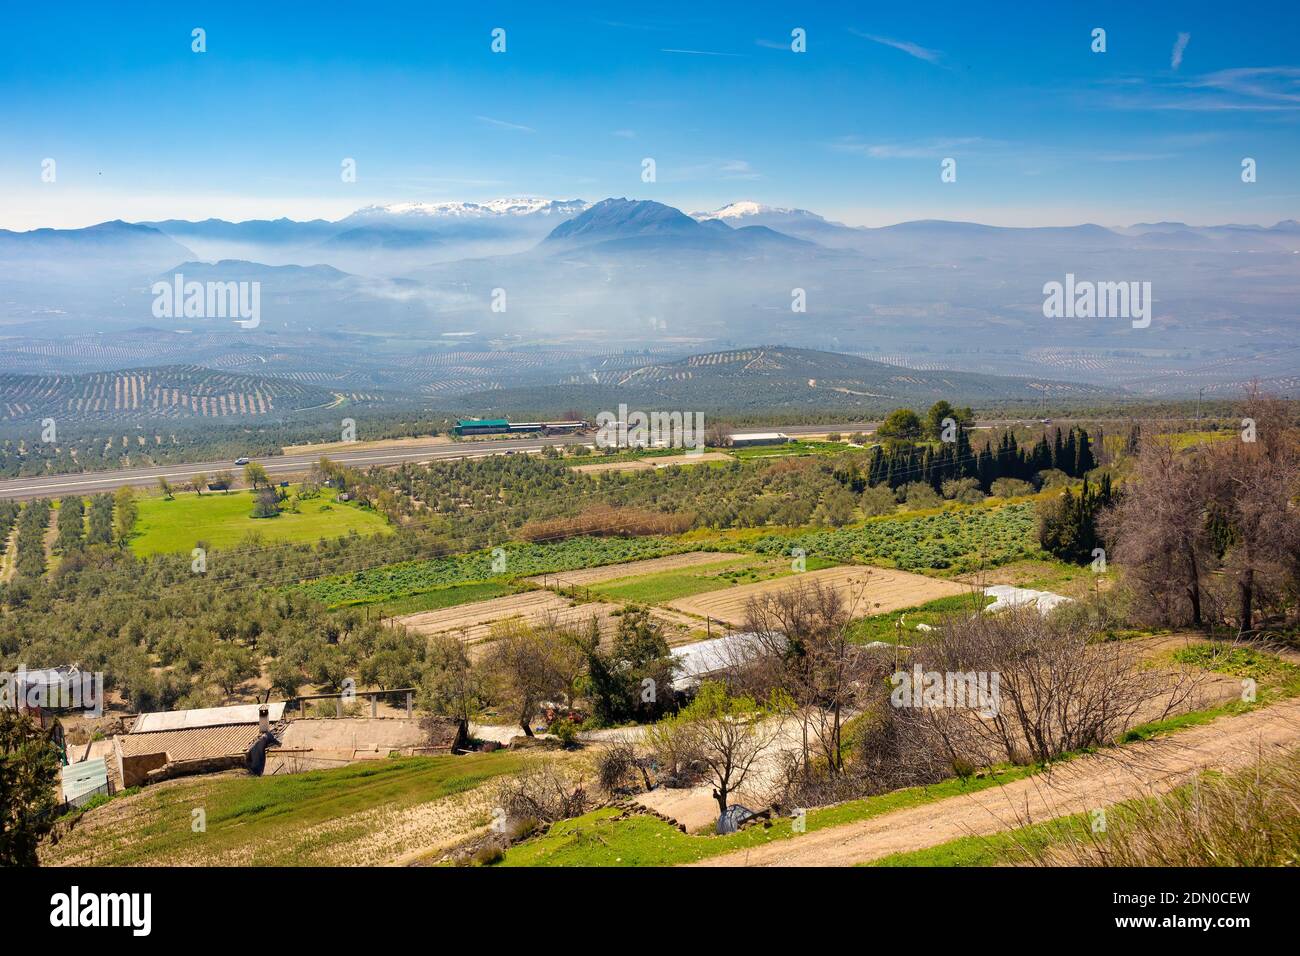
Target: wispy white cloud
[1250, 89]
[624, 133]
[921, 149]
[502, 124]
[700, 52]
[737, 169]
[1180, 44]
[723, 169]
[911, 49]
[1279, 84]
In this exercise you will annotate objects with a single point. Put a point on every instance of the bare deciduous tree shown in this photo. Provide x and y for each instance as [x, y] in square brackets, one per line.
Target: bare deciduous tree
[798, 643]
[1059, 688]
[1160, 533]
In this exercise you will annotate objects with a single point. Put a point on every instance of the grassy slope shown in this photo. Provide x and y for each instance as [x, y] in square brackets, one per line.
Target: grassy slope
[222, 520]
[268, 820]
[998, 849]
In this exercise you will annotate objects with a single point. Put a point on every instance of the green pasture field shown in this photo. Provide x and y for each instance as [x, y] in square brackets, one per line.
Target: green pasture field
[789, 448]
[885, 627]
[223, 520]
[597, 839]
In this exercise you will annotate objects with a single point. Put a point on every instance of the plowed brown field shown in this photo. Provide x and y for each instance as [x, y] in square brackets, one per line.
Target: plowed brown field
[866, 590]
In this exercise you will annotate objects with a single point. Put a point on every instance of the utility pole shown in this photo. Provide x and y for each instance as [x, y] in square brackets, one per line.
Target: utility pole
[1199, 392]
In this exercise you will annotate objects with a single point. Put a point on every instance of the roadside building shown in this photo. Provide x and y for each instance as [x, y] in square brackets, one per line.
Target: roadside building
[502, 426]
[481, 426]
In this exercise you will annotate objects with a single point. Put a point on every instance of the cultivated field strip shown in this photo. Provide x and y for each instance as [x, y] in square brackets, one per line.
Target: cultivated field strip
[865, 590]
[474, 623]
[615, 572]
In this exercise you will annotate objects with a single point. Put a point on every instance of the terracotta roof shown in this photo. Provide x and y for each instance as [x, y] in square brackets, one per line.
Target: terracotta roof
[194, 744]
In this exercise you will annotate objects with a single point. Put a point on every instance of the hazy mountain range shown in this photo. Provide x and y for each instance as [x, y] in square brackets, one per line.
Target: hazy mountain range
[624, 274]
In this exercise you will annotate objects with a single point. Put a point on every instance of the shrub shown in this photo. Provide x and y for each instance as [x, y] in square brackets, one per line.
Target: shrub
[619, 769]
[1010, 488]
[542, 792]
[918, 494]
[566, 730]
[878, 500]
[964, 490]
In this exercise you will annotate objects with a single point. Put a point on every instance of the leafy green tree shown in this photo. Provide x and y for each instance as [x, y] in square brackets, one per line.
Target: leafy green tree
[29, 773]
[255, 476]
[934, 418]
[901, 425]
[836, 508]
[1067, 526]
[632, 680]
[71, 524]
[229, 665]
[125, 512]
[285, 677]
[451, 685]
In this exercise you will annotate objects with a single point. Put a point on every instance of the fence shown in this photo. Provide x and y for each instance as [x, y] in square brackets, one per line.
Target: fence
[405, 694]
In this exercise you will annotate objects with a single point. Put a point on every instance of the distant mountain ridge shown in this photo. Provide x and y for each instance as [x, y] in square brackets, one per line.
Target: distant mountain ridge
[648, 222]
[780, 377]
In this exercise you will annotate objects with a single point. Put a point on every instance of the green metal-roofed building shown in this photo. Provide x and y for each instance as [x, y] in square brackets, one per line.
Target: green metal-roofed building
[481, 426]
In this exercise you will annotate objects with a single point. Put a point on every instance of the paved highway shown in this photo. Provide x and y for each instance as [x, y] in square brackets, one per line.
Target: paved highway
[284, 466]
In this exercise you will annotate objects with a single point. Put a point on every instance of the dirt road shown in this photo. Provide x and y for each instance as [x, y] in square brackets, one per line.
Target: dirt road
[1077, 786]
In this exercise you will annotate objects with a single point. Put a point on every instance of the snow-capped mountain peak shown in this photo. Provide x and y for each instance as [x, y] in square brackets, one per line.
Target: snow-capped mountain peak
[738, 210]
[748, 209]
[521, 206]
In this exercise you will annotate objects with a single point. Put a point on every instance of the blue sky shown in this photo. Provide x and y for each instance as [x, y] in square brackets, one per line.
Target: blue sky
[1044, 131]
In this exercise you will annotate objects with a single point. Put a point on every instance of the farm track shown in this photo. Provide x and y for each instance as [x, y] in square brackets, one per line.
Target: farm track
[1077, 786]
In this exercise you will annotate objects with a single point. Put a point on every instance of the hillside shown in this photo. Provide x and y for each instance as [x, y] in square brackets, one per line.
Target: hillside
[177, 391]
[780, 377]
